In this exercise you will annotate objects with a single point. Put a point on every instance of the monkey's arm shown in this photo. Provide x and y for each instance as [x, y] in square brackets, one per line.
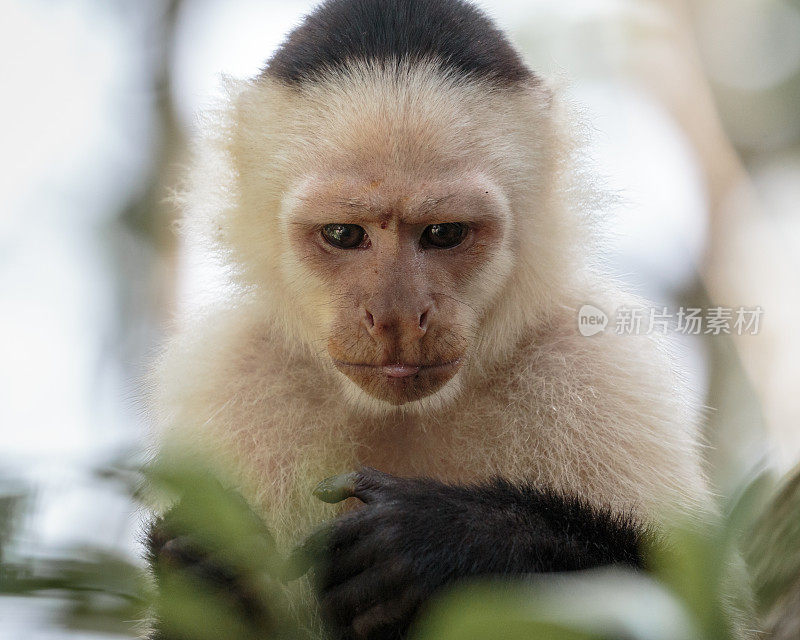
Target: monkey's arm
[177, 556]
[213, 557]
[414, 536]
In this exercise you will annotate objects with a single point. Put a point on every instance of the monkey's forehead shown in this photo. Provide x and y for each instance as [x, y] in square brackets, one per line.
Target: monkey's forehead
[454, 33]
[381, 197]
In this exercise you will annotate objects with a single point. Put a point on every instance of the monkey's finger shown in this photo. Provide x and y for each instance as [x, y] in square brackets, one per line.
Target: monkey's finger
[366, 484]
[361, 554]
[381, 583]
[308, 553]
[386, 619]
[337, 488]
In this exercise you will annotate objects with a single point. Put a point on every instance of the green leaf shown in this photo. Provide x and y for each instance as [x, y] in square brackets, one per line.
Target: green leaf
[611, 603]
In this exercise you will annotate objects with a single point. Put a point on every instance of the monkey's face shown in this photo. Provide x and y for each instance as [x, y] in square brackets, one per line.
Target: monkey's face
[401, 272]
[398, 259]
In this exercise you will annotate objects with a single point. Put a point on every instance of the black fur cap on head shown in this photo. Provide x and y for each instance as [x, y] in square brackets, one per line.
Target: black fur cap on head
[454, 33]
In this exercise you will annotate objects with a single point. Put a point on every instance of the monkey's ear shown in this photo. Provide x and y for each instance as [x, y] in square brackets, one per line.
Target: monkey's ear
[366, 484]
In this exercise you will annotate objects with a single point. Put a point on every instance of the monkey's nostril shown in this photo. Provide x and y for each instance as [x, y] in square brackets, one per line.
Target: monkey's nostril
[423, 320]
[370, 319]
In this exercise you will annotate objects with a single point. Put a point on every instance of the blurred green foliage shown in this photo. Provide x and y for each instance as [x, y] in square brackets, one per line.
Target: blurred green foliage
[685, 596]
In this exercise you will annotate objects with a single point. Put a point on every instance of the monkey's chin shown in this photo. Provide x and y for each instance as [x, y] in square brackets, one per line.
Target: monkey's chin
[400, 385]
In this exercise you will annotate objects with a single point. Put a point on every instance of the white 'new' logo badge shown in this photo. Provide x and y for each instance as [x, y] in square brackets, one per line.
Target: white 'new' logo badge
[591, 320]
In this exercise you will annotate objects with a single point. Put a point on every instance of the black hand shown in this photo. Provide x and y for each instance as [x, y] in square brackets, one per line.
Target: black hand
[380, 563]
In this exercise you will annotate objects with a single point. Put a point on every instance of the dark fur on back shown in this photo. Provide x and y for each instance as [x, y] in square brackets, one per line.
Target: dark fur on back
[453, 32]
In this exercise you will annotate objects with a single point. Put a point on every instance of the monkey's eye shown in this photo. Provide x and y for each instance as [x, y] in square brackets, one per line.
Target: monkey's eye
[444, 236]
[344, 236]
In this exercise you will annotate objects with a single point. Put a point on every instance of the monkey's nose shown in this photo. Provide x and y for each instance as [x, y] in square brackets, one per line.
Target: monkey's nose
[423, 320]
[413, 324]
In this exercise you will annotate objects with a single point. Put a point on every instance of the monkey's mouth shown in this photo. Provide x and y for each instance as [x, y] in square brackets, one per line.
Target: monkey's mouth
[399, 383]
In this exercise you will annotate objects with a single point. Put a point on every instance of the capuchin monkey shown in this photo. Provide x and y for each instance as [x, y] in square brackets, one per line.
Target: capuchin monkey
[399, 200]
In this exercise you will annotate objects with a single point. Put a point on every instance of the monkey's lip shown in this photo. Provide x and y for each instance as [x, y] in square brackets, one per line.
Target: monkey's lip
[397, 370]
[399, 382]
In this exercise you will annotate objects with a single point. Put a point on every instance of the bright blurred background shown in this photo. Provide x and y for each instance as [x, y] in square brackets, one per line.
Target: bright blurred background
[694, 108]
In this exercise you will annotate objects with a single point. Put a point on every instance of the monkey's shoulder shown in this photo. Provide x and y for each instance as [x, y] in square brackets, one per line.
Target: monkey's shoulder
[229, 358]
[608, 380]
[559, 349]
